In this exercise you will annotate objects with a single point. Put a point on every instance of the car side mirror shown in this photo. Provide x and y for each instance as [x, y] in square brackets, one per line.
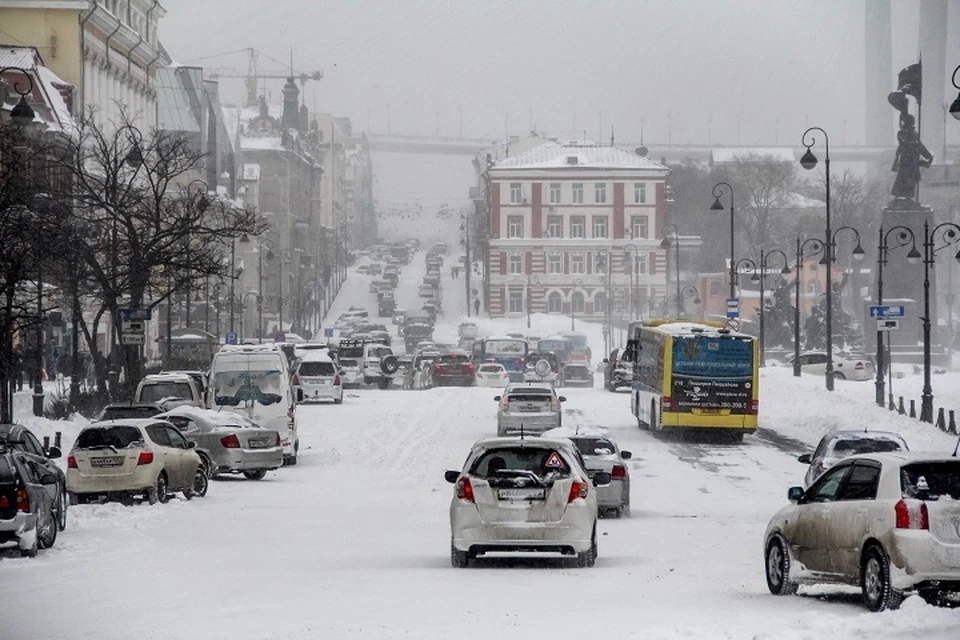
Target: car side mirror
[48, 478]
[806, 458]
[191, 444]
[497, 398]
[451, 475]
[626, 455]
[54, 452]
[606, 361]
[794, 494]
[601, 479]
[562, 398]
[299, 395]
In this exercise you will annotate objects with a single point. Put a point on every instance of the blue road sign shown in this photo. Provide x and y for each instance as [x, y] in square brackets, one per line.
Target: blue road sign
[887, 311]
[328, 332]
[127, 315]
[231, 337]
[733, 307]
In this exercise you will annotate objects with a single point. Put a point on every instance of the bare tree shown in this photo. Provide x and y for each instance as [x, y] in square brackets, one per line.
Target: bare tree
[765, 189]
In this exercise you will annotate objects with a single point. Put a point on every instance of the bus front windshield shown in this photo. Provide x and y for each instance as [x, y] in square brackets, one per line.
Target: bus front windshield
[506, 347]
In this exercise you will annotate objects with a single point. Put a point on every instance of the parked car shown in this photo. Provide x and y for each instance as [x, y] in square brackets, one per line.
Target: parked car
[492, 374]
[524, 495]
[17, 437]
[227, 442]
[840, 444]
[845, 366]
[575, 374]
[453, 368]
[28, 515]
[398, 317]
[601, 453]
[426, 291]
[617, 372]
[432, 308]
[528, 408]
[886, 522]
[170, 390]
[123, 458]
[367, 362]
[320, 378]
[541, 366]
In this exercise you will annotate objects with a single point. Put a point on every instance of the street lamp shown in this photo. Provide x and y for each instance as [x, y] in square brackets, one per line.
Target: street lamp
[22, 113]
[955, 107]
[535, 280]
[718, 206]
[573, 305]
[905, 236]
[633, 267]
[949, 234]
[816, 246]
[665, 244]
[759, 271]
[688, 291]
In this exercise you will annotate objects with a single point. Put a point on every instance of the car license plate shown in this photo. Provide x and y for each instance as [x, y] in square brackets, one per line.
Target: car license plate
[258, 443]
[115, 461]
[521, 494]
[529, 407]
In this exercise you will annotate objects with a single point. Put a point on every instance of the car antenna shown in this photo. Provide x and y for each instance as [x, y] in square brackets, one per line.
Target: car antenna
[956, 447]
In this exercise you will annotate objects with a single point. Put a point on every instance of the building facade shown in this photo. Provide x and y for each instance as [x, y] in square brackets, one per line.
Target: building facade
[573, 228]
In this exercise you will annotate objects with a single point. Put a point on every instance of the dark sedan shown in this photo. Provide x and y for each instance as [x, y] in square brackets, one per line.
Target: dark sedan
[454, 369]
[20, 438]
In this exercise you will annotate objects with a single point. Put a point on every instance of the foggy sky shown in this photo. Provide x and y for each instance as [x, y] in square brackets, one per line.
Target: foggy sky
[691, 70]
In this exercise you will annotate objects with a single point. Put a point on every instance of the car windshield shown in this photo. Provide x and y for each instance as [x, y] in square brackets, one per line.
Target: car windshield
[119, 412]
[594, 446]
[537, 460]
[849, 447]
[156, 391]
[351, 352]
[931, 480]
[491, 368]
[532, 395]
[118, 437]
[316, 369]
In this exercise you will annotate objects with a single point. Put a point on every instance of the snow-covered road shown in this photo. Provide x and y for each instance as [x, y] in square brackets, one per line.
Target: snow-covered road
[354, 541]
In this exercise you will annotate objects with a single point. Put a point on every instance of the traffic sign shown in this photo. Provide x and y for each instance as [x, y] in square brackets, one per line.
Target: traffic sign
[328, 332]
[230, 338]
[131, 326]
[132, 338]
[126, 315]
[733, 307]
[888, 324]
[887, 311]
[733, 324]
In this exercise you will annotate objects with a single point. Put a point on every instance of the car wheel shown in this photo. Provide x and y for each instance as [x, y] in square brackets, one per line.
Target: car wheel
[201, 482]
[62, 509]
[31, 550]
[290, 461]
[878, 592]
[48, 537]
[257, 474]
[73, 498]
[338, 400]
[778, 568]
[159, 492]
[206, 465]
[459, 559]
[839, 376]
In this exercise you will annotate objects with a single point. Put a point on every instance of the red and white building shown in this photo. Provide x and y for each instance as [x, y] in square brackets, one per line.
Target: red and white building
[559, 213]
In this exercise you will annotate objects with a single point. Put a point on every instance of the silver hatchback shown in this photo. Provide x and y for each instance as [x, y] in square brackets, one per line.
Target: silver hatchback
[528, 408]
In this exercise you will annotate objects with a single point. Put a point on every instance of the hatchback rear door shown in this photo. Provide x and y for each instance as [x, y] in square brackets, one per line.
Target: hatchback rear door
[530, 401]
[108, 451]
[534, 486]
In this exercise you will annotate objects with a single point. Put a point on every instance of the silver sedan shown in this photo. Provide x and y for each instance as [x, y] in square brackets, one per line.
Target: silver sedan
[228, 442]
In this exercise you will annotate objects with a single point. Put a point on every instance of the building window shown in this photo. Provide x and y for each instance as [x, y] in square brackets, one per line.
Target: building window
[577, 301]
[578, 193]
[515, 226]
[516, 193]
[578, 263]
[640, 193]
[640, 227]
[554, 227]
[554, 303]
[578, 226]
[599, 226]
[813, 288]
[599, 302]
[600, 192]
[516, 302]
[554, 263]
[515, 263]
[641, 263]
[599, 263]
[554, 193]
[714, 289]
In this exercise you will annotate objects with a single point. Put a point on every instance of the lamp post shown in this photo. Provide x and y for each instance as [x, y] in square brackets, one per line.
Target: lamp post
[955, 107]
[22, 113]
[577, 283]
[263, 242]
[633, 268]
[689, 291]
[665, 244]
[718, 206]
[233, 278]
[816, 246]
[758, 277]
[949, 234]
[535, 280]
[905, 236]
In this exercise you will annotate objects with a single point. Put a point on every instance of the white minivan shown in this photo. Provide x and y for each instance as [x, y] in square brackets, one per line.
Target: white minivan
[254, 380]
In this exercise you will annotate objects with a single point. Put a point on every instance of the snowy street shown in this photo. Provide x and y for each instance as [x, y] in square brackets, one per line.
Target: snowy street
[354, 540]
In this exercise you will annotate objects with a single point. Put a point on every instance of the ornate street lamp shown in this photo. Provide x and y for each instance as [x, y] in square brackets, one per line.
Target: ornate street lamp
[577, 283]
[633, 267]
[816, 247]
[718, 206]
[665, 244]
[949, 235]
[905, 236]
[955, 107]
[22, 113]
[688, 291]
[534, 280]
[759, 273]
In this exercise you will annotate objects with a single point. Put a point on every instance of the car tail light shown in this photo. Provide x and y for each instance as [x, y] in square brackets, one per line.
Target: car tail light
[577, 490]
[858, 366]
[912, 515]
[555, 403]
[4, 503]
[71, 462]
[619, 472]
[666, 404]
[230, 441]
[436, 367]
[296, 380]
[754, 407]
[145, 457]
[23, 500]
[465, 489]
[336, 380]
[469, 366]
[518, 362]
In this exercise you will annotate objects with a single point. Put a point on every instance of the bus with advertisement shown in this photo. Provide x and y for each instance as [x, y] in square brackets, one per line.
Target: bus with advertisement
[694, 377]
[505, 350]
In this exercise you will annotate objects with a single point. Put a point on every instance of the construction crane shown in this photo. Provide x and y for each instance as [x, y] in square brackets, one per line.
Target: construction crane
[252, 75]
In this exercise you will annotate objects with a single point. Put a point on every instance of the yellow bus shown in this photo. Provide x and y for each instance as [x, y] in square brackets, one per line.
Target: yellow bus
[694, 376]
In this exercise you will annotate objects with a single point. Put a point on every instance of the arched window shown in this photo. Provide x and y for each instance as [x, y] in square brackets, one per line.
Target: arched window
[577, 300]
[554, 303]
[599, 302]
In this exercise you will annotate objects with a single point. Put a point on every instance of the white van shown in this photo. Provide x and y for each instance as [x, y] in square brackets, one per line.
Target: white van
[254, 380]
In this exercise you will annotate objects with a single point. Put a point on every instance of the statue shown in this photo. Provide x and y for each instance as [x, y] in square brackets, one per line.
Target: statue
[910, 157]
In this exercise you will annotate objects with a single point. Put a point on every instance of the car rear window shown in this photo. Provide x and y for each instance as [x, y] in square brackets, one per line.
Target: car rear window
[316, 369]
[154, 392]
[865, 445]
[118, 413]
[537, 460]
[453, 358]
[491, 368]
[7, 473]
[931, 480]
[118, 437]
[594, 446]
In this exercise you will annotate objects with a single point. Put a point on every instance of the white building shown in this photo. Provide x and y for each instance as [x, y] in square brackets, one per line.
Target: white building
[560, 213]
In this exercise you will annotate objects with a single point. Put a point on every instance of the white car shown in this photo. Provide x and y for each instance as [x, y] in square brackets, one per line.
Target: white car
[122, 458]
[524, 495]
[528, 408]
[601, 453]
[845, 367]
[492, 374]
[319, 377]
[886, 522]
[839, 444]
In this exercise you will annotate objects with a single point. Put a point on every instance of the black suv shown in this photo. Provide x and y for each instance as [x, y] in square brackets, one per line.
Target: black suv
[27, 514]
[617, 372]
[19, 438]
